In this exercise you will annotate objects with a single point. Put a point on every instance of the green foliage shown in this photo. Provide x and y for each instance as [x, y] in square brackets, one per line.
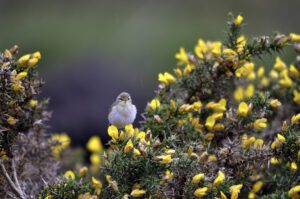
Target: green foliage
[66, 189]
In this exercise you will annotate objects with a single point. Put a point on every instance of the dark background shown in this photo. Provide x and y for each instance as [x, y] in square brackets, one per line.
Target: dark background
[93, 50]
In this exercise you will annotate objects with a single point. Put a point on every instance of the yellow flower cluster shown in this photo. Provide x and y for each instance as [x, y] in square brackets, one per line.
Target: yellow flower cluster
[3, 155]
[241, 94]
[218, 108]
[94, 145]
[246, 71]
[29, 60]
[247, 143]
[208, 50]
[61, 142]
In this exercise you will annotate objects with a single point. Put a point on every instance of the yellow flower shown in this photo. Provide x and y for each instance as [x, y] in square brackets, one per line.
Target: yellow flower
[295, 119]
[274, 160]
[166, 78]
[70, 175]
[21, 75]
[275, 144]
[61, 142]
[216, 48]
[33, 102]
[187, 70]
[235, 190]
[220, 178]
[182, 56]
[95, 159]
[260, 124]
[275, 103]
[258, 143]
[137, 193]
[210, 122]
[97, 184]
[209, 136]
[178, 72]
[37, 55]
[154, 104]
[17, 86]
[257, 186]
[197, 106]
[122, 135]
[294, 71]
[200, 49]
[294, 167]
[241, 42]
[94, 144]
[265, 82]
[128, 146]
[281, 138]
[164, 159]
[168, 176]
[197, 178]
[251, 195]
[24, 59]
[63, 139]
[141, 135]
[238, 20]
[217, 107]
[170, 78]
[185, 108]
[273, 74]
[285, 81]
[223, 196]
[129, 130]
[170, 151]
[32, 62]
[82, 171]
[247, 71]
[243, 109]
[136, 152]
[261, 71]
[294, 192]
[295, 37]
[279, 64]
[218, 127]
[284, 126]
[113, 132]
[112, 182]
[296, 96]
[247, 142]
[11, 121]
[212, 158]
[239, 94]
[200, 192]
[229, 54]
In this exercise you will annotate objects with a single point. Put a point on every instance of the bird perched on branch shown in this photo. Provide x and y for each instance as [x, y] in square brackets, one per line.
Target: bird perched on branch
[122, 111]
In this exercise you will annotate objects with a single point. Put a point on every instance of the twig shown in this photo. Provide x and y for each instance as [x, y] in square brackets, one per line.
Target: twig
[11, 183]
[15, 174]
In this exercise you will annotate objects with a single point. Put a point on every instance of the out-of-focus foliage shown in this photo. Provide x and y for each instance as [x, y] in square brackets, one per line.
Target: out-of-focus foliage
[26, 161]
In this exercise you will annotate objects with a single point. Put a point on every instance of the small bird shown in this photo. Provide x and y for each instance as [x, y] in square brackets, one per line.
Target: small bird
[122, 111]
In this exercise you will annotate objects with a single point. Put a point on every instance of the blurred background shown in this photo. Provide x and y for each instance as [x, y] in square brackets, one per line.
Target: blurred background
[93, 50]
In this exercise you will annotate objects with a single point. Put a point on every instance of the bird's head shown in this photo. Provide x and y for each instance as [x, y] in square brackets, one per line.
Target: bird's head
[124, 98]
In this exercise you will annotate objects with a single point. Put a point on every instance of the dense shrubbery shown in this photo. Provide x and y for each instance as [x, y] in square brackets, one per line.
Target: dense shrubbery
[221, 127]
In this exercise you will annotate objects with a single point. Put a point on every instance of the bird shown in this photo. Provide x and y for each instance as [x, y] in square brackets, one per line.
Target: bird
[122, 111]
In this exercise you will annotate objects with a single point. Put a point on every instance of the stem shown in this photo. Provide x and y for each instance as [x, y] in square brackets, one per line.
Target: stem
[15, 174]
[11, 183]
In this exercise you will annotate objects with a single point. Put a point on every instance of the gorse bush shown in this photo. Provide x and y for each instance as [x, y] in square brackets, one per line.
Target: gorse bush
[220, 127]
